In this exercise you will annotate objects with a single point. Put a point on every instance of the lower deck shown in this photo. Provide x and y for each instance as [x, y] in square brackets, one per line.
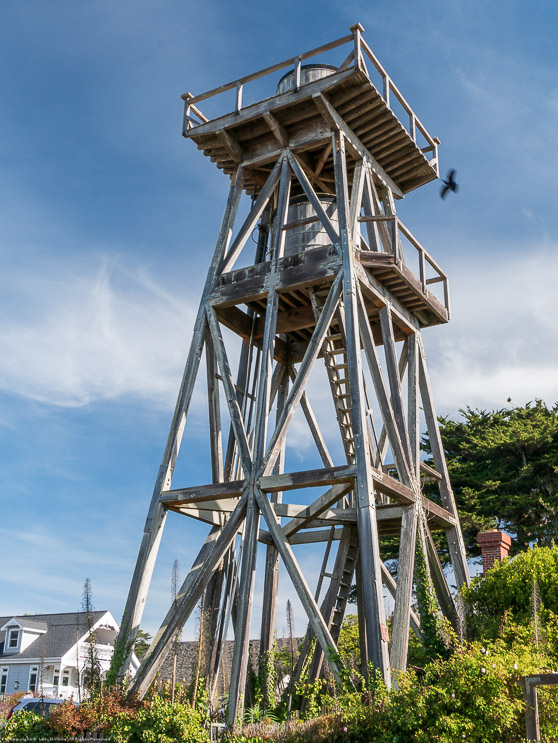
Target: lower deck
[240, 296]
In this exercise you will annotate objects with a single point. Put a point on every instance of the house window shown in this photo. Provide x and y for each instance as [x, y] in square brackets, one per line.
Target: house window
[3, 680]
[33, 676]
[13, 638]
[56, 677]
[66, 678]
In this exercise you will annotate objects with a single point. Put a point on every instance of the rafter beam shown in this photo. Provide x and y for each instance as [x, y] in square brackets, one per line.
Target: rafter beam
[278, 130]
[332, 117]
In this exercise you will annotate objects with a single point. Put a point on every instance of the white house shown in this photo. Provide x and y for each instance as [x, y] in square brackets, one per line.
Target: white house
[47, 653]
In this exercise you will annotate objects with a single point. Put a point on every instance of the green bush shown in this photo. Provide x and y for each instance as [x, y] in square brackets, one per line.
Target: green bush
[159, 721]
[27, 726]
[473, 696]
[506, 592]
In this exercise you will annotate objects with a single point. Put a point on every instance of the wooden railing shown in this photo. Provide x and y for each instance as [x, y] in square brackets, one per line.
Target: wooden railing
[397, 228]
[360, 50]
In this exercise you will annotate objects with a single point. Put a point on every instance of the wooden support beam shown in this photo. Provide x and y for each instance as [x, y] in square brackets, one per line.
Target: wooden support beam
[305, 368]
[201, 493]
[239, 665]
[359, 151]
[369, 555]
[231, 145]
[251, 220]
[456, 544]
[215, 436]
[309, 513]
[381, 394]
[396, 396]
[391, 585]
[272, 558]
[443, 593]
[209, 557]
[404, 592]
[413, 422]
[344, 473]
[313, 425]
[230, 392]
[313, 199]
[279, 131]
[155, 522]
[307, 600]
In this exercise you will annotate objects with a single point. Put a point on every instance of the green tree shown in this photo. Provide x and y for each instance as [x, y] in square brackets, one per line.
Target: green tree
[91, 672]
[503, 466]
[142, 643]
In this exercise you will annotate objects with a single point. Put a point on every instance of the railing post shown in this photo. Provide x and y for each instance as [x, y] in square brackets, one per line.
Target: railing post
[357, 30]
[413, 127]
[387, 82]
[186, 123]
[395, 239]
[297, 74]
[238, 103]
[422, 270]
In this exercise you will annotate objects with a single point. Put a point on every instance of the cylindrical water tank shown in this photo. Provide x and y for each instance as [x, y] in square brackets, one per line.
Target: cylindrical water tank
[313, 235]
[308, 73]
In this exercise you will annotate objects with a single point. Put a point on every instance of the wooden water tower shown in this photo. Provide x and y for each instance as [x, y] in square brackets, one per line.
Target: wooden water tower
[334, 279]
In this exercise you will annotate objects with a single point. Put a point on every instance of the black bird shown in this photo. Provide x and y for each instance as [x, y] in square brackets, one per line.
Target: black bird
[449, 185]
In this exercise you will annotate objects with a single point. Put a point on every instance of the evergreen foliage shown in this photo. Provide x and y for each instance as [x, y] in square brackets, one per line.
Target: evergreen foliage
[503, 466]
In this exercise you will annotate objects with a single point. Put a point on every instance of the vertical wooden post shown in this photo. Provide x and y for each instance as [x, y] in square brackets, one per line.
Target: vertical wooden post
[404, 591]
[153, 530]
[357, 30]
[369, 554]
[239, 664]
[271, 577]
[456, 544]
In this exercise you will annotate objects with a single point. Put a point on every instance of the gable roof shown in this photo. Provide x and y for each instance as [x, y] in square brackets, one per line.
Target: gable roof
[63, 631]
[25, 623]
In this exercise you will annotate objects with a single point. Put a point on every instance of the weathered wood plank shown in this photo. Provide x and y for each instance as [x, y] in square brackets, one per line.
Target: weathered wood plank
[251, 220]
[230, 392]
[360, 151]
[155, 522]
[381, 394]
[404, 592]
[369, 555]
[239, 664]
[307, 600]
[209, 557]
[344, 473]
[299, 383]
[456, 544]
[308, 513]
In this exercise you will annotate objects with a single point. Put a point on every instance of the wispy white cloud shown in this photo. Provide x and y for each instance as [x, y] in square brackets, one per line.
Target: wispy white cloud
[83, 333]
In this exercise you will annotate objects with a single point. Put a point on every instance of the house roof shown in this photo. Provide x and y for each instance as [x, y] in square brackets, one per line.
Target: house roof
[63, 631]
[27, 623]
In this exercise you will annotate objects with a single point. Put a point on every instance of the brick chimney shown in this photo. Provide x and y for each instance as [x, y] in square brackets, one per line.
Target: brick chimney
[495, 545]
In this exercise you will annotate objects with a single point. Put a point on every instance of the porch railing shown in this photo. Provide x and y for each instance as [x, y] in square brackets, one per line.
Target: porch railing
[397, 228]
[356, 59]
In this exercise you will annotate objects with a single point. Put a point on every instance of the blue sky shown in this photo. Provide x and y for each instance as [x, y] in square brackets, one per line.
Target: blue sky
[108, 219]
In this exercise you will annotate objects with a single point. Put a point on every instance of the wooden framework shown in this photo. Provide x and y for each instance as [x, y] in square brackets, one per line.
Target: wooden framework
[354, 305]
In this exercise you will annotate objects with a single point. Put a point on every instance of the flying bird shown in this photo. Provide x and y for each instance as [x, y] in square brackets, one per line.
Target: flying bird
[449, 184]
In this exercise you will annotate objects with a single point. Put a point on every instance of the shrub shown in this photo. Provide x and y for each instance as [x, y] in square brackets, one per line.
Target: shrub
[27, 726]
[506, 591]
[159, 721]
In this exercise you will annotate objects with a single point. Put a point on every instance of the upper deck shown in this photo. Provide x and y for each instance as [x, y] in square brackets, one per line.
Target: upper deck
[358, 94]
